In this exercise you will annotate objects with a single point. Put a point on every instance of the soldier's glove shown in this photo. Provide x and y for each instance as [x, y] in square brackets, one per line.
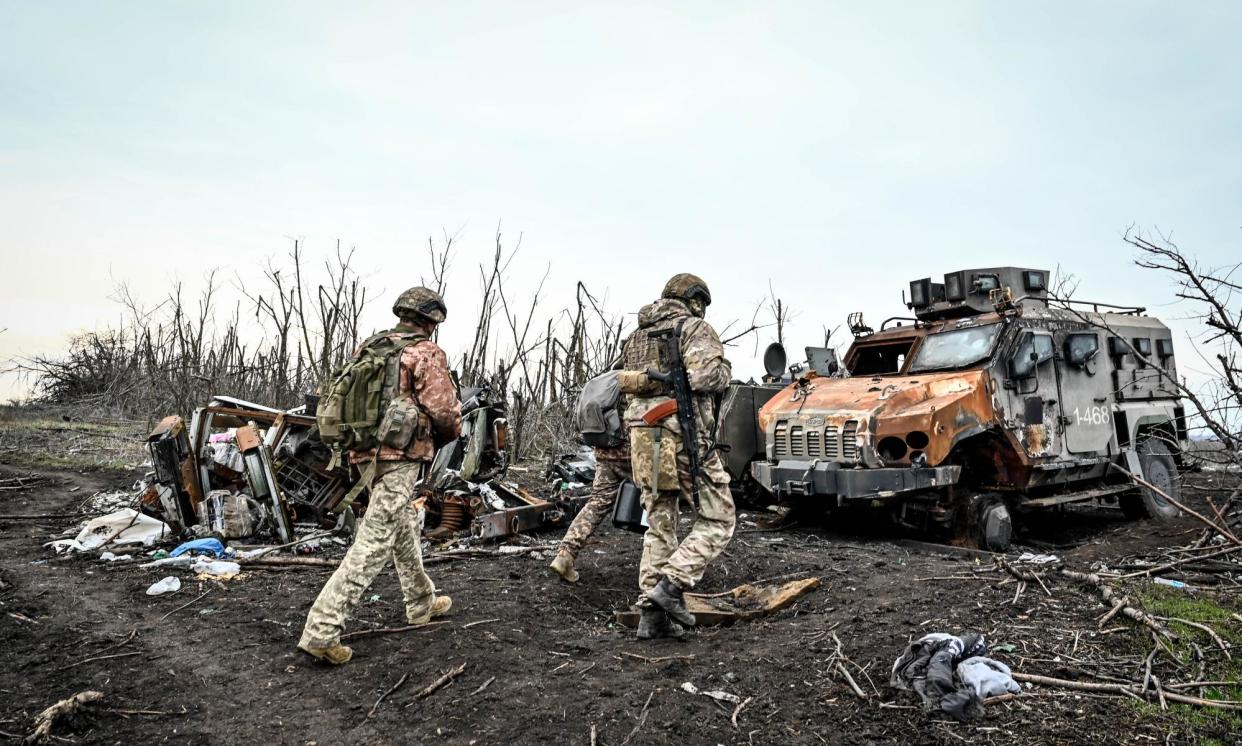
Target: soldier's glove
[636, 382]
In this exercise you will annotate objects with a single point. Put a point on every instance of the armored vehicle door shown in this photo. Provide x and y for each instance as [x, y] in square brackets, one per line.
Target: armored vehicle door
[1033, 393]
[1086, 391]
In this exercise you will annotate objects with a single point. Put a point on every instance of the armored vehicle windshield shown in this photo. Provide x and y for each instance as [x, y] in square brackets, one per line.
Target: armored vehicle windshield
[956, 349]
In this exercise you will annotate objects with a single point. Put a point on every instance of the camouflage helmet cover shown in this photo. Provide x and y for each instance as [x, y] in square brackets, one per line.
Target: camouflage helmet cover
[687, 287]
[420, 302]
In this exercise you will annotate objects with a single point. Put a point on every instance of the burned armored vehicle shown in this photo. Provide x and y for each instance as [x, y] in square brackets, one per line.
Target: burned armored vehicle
[994, 399]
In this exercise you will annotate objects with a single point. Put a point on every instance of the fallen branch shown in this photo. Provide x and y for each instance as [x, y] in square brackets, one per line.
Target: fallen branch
[1022, 575]
[113, 536]
[850, 680]
[1110, 596]
[384, 696]
[125, 713]
[1125, 691]
[289, 561]
[1211, 633]
[390, 630]
[661, 659]
[1187, 560]
[132, 634]
[65, 708]
[841, 660]
[99, 658]
[185, 605]
[738, 710]
[439, 683]
[268, 550]
[1223, 531]
[642, 718]
[1200, 684]
[1118, 605]
[483, 686]
[481, 621]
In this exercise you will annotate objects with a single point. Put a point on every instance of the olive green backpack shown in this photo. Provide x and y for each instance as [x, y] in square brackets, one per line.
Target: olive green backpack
[357, 411]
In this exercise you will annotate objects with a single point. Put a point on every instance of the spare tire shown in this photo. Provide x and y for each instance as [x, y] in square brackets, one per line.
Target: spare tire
[1160, 470]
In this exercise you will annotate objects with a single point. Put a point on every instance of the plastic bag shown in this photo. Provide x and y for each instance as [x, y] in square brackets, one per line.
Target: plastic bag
[134, 528]
[169, 584]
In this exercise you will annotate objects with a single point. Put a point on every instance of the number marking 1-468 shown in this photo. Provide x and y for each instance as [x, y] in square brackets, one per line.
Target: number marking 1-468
[1092, 416]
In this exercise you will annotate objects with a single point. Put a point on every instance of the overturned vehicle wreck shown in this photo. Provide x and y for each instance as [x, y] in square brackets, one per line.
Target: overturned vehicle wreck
[993, 400]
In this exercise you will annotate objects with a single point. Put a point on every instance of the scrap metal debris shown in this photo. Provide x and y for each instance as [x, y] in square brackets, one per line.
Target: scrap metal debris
[240, 470]
[716, 694]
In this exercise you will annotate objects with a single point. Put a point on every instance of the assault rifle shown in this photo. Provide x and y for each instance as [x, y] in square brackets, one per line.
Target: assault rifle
[677, 385]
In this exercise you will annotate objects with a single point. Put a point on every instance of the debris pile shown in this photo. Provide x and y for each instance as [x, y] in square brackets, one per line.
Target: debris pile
[240, 470]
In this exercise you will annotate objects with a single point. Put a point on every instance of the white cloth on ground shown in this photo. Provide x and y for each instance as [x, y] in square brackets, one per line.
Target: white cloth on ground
[988, 678]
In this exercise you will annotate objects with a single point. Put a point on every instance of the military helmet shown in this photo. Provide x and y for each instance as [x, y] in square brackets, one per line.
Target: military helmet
[420, 302]
[687, 287]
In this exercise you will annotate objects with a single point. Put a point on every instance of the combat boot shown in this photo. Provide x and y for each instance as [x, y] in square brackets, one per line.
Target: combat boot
[335, 654]
[563, 565]
[653, 623]
[670, 597]
[440, 606]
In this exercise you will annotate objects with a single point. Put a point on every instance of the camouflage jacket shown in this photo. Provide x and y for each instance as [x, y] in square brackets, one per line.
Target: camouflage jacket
[706, 366]
[425, 377]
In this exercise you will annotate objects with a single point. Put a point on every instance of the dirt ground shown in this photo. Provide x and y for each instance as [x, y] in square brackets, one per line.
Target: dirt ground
[545, 663]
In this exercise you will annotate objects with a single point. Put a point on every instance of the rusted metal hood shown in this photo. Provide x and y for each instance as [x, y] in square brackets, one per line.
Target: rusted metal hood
[862, 411]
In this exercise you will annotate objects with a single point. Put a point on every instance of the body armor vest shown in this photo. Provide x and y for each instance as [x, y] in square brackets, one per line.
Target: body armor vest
[643, 352]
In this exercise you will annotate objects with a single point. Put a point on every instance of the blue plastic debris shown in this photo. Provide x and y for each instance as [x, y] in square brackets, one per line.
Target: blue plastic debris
[201, 546]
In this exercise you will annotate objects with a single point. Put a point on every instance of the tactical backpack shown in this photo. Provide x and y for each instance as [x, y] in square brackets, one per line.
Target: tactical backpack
[598, 415]
[359, 411]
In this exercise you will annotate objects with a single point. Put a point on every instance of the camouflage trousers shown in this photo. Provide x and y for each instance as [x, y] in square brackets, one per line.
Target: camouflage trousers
[685, 562]
[391, 528]
[609, 475]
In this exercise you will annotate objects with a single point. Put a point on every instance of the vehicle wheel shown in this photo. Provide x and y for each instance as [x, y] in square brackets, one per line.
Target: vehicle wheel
[996, 527]
[1159, 469]
[985, 522]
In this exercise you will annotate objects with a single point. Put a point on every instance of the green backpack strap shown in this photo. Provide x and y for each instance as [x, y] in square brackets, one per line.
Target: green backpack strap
[364, 483]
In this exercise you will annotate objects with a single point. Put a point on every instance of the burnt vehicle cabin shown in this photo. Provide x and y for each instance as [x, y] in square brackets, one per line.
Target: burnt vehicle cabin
[993, 399]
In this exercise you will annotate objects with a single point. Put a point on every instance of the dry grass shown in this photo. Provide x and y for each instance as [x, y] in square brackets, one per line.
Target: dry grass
[46, 436]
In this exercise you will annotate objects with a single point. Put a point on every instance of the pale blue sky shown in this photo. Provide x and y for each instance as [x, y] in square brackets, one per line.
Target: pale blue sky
[839, 149]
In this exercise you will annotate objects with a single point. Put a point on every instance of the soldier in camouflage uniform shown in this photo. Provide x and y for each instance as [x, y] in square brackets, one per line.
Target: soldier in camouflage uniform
[392, 526]
[612, 467]
[669, 568]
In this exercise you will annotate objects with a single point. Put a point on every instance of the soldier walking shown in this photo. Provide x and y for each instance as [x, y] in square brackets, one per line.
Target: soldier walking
[600, 419]
[612, 467]
[661, 461]
[422, 410]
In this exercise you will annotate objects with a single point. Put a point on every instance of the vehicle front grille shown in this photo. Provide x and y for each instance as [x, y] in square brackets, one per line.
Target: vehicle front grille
[825, 442]
[849, 441]
[832, 442]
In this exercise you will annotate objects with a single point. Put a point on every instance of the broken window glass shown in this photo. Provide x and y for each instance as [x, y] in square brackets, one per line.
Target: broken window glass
[956, 349]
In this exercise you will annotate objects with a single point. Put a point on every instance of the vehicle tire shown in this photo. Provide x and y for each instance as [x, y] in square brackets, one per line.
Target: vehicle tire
[985, 522]
[996, 527]
[1160, 469]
